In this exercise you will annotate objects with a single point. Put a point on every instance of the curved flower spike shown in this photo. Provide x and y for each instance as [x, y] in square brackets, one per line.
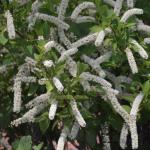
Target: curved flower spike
[95, 64]
[103, 58]
[118, 80]
[52, 19]
[43, 98]
[90, 77]
[63, 38]
[85, 40]
[62, 9]
[52, 44]
[30, 115]
[36, 5]
[61, 15]
[77, 113]
[67, 53]
[80, 8]
[130, 13]
[101, 36]
[141, 50]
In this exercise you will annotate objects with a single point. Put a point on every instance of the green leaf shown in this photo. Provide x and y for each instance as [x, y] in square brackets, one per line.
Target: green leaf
[146, 88]
[49, 86]
[127, 108]
[32, 89]
[30, 49]
[44, 122]
[129, 98]
[38, 147]
[96, 29]
[3, 40]
[25, 143]
[82, 67]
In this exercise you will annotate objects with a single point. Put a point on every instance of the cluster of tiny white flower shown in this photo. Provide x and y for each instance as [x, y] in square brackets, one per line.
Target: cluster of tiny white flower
[10, 25]
[105, 137]
[76, 13]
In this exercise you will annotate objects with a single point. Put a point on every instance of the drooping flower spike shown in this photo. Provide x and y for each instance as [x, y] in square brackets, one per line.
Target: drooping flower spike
[125, 128]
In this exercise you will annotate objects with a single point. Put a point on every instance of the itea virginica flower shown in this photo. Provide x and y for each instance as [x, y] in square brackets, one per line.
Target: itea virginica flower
[131, 61]
[123, 136]
[140, 49]
[95, 66]
[101, 36]
[80, 8]
[90, 77]
[62, 139]
[118, 80]
[58, 84]
[130, 13]
[52, 19]
[52, 110]
[43, 98]
[71, 66]
[30, 115]
[74, 131]
[61, 15]
[62, 9]
[118, 7]
[52, 44]
[36, 5]
[143, 27]
[105, 137]
[77, 113]
[10, 25]
[17, 95]
[85, 40]
[67, 53]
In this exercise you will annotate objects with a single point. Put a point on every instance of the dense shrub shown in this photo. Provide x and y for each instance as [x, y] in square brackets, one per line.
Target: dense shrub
[75, 71]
